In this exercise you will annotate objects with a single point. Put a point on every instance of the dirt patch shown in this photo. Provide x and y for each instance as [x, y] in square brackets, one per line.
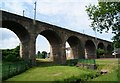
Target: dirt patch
[57, 74]
[103, 71]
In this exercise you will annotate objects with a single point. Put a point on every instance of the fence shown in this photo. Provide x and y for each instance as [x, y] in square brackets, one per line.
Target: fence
[84, 61]
[11, 69]
[87, 61]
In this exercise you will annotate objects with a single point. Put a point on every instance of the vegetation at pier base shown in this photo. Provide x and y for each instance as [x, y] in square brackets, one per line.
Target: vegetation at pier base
[104, 17]
[100, 52]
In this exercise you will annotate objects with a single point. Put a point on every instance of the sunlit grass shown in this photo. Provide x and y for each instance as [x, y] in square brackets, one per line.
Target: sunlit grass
[112, 66]
[50, 73]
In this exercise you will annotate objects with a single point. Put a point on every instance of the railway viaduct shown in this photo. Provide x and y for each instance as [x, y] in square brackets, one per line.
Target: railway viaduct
[83, 46]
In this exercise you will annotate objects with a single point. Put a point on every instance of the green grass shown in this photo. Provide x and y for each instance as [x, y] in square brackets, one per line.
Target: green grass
[113, 76]
[111, 65]
[48, 71]
[107, 64]
[52, 73]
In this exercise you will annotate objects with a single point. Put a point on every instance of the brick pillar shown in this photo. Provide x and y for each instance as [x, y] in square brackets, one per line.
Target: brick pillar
[32, 56]
[58, 54]
[63, 53]
[24, 50]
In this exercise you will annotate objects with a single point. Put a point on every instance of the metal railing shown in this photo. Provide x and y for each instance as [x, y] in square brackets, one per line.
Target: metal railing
[84, 61]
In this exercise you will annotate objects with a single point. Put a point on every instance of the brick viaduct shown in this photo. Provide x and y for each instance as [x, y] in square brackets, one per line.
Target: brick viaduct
[83, 46]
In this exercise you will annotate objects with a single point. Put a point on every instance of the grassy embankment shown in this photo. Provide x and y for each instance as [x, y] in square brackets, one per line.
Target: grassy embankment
[48, 71]
[112, 66]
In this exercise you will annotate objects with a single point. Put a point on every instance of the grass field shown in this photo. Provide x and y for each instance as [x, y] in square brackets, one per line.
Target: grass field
[48, 71]
[112, 66]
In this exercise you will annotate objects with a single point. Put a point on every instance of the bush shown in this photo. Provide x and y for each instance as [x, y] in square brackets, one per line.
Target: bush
[100, 52]
[11, 58]
[72, 62]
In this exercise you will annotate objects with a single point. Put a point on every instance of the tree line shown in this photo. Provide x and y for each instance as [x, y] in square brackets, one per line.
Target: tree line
[11, 55]
[42, 54]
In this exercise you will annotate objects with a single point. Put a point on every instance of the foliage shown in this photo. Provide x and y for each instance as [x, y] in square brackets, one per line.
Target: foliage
[44, 54]
[100, 51]
[10, 69]
[11, 54]
[106, 16]
[41, 55]
[72, 62]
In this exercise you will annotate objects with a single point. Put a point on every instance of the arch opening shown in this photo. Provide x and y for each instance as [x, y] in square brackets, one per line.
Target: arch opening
[69, 54]
[42, 47]
[54, 44]
[90, 50]
[100, 50]
[101, 46]
[9, 44]
[22, 34]
[74, 48]
[8, 36]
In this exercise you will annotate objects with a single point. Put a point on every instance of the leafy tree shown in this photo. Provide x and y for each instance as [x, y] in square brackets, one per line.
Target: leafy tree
[44, 54]
[106, 16]
[16, 51]
[41, 55]
[38, 55]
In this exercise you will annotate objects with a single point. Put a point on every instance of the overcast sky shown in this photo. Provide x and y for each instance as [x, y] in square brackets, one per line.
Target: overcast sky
[69, 14]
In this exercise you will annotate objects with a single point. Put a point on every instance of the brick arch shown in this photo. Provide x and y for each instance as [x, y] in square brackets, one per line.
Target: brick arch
[55, 43]
[76, 47]
[101, 45]
[90, 49]
[17, 28]
[22, 34]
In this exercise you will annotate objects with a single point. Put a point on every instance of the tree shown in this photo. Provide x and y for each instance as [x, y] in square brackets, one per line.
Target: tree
[44, 54]
[11, 54]
[106, 16]
[16, 51]
[38, 54]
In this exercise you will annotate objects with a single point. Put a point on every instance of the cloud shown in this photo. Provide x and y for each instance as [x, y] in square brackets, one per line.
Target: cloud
[12, 43]
[8, 36]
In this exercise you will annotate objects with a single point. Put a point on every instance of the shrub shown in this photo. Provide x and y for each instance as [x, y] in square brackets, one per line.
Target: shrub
[11, 58]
